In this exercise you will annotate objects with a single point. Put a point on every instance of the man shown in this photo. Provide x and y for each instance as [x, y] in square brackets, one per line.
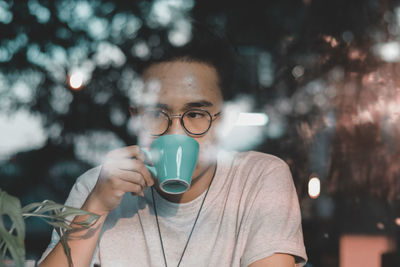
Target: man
[241, 208]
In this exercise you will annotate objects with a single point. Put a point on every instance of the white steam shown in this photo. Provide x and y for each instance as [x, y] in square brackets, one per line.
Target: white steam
[240, 128]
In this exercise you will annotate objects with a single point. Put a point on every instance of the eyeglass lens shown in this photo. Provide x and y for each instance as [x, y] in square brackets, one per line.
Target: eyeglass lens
[156, 122]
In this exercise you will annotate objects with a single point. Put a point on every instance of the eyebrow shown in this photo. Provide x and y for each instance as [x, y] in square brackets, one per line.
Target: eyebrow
[198, 104]
[162, 106]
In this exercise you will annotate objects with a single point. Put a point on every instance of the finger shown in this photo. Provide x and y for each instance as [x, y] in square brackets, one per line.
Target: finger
[139, 166]
[129, 187]
[127, 152]
[139, 194]
[124, 164]
[146, 173]
[134, 165]
[132, 177]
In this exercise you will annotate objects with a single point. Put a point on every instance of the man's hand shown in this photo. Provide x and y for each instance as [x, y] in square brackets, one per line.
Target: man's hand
[123, 171]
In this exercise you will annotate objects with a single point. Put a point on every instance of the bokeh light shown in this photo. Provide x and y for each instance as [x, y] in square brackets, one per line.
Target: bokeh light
[389, 52]
[314, 187]
[76, 80]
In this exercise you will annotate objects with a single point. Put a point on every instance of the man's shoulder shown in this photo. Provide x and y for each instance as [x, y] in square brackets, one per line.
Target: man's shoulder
[256, 168]
[82, 187]
[261, 160]
[89, 175]
[88, 179]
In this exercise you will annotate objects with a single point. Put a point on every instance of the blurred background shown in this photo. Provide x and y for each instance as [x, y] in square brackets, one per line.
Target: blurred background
[317, 82]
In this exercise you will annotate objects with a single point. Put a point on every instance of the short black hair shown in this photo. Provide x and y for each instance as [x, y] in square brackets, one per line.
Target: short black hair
[206, 45]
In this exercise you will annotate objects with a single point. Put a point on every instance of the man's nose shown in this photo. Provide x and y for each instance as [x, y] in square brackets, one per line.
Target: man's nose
[176, 127]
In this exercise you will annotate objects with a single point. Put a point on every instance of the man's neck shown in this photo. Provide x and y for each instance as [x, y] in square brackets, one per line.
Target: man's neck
[198, 186]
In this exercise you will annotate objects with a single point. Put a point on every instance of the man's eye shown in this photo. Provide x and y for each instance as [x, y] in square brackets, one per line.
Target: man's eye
[195, 115]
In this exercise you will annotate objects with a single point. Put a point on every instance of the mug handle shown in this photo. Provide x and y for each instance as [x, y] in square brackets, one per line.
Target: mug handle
[151, 169]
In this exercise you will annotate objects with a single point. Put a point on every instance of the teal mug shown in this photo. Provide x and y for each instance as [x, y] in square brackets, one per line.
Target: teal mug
[174, 159]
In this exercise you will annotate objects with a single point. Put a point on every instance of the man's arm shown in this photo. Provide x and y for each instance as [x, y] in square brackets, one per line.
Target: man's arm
[123, 171]
[82, 244]
[276, 260]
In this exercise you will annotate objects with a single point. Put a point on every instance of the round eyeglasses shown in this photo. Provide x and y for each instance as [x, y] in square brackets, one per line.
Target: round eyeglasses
[194, 121]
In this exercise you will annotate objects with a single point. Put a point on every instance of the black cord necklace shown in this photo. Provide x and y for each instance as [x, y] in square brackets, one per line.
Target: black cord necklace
[194, 224]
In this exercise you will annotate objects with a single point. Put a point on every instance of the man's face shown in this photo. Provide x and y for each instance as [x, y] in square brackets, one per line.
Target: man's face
[177, 86]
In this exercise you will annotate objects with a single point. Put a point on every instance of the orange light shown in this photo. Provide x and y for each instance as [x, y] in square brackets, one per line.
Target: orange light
[76, 80]
[314, 187]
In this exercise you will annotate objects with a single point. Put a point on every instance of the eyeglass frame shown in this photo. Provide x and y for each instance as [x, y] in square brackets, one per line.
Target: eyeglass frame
[180, 116]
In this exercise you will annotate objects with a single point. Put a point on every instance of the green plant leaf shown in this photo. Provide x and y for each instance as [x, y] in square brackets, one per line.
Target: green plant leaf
[57, 215]
[60, 217]
[12, 240]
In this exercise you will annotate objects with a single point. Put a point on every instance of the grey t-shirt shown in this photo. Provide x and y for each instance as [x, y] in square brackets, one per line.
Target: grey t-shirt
[251, 212]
